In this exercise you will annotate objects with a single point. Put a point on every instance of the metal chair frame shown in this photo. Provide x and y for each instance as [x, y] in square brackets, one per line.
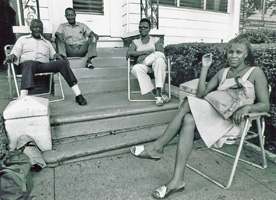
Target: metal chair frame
[11, 73]
[130, 61]
[259, 117]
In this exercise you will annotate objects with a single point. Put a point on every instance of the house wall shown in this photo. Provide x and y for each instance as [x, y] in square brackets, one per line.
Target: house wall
[187, 25]
[122, 16]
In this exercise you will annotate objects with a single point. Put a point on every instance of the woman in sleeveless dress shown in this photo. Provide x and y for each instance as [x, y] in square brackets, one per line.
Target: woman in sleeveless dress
[141, 48]
[225, 100]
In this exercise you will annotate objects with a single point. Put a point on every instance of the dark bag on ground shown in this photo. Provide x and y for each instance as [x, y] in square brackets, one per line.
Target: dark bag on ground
[15, 177]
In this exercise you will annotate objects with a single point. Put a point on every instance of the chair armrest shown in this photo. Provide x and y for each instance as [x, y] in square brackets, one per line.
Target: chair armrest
[256, 115]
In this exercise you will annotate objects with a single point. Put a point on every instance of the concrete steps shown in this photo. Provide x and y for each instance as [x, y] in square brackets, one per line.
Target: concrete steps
[88, 147]
[109, 123]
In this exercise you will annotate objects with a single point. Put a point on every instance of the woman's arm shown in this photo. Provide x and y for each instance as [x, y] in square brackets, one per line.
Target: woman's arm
[159, 46]
[262, 97]
[132, 51]
[204, 88]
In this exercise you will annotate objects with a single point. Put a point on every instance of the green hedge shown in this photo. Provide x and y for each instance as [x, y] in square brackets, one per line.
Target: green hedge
[186, 65]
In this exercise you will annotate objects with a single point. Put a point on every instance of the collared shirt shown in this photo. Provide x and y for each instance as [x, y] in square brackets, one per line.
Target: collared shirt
[28, 48]
[76, 35]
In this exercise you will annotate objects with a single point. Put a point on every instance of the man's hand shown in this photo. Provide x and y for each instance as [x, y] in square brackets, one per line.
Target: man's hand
[57, 56]
[10, 58]
[92, 34]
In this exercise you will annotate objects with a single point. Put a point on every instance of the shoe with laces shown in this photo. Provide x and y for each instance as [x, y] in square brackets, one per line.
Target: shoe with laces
[81, 100]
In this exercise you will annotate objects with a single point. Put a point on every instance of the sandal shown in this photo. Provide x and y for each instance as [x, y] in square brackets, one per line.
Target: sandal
[164, 192]
[140, 152]
[159, 101]
[89, 65]
[165, 98]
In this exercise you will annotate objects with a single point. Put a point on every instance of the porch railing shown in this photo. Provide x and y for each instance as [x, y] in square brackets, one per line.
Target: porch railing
[27, 11]
[150, 10]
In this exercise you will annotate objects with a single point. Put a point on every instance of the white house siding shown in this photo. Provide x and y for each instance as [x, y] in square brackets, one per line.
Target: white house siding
[188, 25]
[122, 16]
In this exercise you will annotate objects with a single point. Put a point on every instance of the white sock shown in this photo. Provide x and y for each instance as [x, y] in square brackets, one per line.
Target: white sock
[76, 90]
[24, 93]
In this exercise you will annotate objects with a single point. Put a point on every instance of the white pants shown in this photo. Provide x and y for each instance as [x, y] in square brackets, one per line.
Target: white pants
[140, 71]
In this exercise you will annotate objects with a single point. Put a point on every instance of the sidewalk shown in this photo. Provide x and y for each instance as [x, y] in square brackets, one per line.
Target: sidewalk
[125, 177]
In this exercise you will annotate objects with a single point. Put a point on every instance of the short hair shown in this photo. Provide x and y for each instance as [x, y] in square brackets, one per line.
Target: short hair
[35, 20]
[242, 40]
[72, 9]
[146, 20]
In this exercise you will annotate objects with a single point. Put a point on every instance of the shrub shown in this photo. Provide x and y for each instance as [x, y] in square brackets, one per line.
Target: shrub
[186, 65]
[260, 36]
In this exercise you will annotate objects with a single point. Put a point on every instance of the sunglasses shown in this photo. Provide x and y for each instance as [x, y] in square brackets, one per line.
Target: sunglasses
[143, 27]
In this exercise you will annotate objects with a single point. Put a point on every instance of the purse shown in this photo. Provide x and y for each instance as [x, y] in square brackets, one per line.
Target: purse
[188, 89]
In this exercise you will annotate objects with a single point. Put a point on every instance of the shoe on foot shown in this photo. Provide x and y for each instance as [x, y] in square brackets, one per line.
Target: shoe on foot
[165, 98]
[140, 152]
[164, 192]
[81, 100]
[89, 65]
[159, 101]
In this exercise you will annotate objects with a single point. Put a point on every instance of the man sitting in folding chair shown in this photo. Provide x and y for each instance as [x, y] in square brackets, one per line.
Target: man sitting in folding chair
[151, 58]
[33, 53]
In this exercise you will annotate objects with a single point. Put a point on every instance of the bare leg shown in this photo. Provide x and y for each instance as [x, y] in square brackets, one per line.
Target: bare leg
[184, 147]
[156, 148]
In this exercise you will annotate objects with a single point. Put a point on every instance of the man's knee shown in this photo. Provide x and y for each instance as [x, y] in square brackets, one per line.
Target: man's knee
[92, 40]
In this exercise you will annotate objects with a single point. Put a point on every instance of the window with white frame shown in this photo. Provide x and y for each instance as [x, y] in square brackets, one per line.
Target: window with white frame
[89, 6]
[212, 5]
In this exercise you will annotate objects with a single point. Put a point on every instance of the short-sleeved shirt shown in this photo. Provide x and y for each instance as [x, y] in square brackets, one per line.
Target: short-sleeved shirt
[150, 46]
[76, 35]
[28, 48]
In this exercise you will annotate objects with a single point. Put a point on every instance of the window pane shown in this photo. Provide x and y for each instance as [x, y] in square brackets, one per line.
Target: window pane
[217, 5]
[166, 2]
[92, 6]
[192, 3]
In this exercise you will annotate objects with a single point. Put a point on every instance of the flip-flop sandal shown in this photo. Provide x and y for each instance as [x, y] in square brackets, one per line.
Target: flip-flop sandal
[140, 152]
[89, 65]
[164, 192]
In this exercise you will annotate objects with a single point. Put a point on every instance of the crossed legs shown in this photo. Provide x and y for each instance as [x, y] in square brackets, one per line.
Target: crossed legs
[29, 68]
[183, 123]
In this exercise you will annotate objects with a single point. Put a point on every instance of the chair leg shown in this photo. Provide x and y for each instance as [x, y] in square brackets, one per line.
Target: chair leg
[246, 127]
[169, 78]
[61, 90]
[261, 129]
[15, 80]
[129, 86]
[9, 80]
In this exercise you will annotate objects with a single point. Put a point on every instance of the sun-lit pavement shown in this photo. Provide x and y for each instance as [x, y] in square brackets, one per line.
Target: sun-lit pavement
[126, 177]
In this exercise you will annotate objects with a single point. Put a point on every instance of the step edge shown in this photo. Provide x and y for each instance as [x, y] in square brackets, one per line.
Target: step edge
[58, 120]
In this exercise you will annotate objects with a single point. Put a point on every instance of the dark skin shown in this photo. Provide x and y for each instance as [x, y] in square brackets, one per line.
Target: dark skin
[71, 18]
[144, 29]
[36, 31]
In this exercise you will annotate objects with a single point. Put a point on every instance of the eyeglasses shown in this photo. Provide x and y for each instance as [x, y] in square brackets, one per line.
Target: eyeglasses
[143, 27]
